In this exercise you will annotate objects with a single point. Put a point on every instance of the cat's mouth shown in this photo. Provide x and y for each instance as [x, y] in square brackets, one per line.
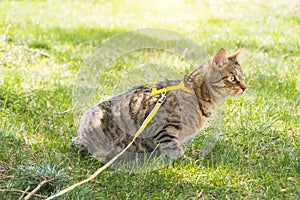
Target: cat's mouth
[237, 92]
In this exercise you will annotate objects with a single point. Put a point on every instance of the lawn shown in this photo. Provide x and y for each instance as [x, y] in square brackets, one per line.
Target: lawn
[44, 44]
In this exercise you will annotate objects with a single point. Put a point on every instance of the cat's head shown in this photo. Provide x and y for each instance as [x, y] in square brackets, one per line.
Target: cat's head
[228, 73]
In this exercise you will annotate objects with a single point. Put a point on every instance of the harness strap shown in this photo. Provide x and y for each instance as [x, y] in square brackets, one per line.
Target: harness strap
[170, 88]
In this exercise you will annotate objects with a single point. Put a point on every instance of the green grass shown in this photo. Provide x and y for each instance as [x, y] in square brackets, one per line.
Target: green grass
[43, 45]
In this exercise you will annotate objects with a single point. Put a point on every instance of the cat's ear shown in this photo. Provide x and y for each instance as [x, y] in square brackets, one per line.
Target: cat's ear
[219, 57]
[235, 55]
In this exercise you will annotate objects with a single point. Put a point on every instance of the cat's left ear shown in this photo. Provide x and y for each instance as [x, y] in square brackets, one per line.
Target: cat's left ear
[235, 55]
[219, 57]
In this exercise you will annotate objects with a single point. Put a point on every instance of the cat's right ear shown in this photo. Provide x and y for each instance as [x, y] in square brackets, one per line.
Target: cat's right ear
[236, 54]
[219, 58]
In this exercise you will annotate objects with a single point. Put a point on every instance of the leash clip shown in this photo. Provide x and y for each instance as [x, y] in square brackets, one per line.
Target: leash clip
[163, 96]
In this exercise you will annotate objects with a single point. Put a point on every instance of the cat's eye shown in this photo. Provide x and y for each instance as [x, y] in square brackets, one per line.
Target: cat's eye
[231, 78]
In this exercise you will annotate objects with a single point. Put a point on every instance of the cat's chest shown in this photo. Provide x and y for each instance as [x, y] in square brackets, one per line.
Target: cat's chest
[183, 109]
[192, 119]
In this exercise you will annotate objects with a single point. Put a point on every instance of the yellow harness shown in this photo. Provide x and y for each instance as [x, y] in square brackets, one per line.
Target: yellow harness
[148, 119]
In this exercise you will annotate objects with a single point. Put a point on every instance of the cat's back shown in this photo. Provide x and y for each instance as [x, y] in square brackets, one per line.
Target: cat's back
[117, 109]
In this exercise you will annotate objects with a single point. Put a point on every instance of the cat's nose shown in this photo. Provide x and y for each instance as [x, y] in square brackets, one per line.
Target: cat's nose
[244, 87]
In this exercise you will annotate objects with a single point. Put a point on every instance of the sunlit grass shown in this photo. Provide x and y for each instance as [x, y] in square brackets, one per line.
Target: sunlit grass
[43, 45]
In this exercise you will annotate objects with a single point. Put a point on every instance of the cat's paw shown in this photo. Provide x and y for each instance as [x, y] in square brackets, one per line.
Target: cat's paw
[175, 154]
[81, 150]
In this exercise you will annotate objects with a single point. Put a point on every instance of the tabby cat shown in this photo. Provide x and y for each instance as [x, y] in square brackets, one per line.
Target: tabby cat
[108, 127]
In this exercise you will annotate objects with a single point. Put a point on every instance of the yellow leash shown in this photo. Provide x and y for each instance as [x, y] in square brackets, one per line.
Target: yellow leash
[141, 129]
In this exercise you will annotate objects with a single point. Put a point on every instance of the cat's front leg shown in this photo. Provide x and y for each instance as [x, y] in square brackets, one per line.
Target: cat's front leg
[169, 144]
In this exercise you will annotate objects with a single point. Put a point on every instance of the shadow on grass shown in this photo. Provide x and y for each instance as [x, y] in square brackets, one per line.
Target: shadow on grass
[48, 38]
[65, 44]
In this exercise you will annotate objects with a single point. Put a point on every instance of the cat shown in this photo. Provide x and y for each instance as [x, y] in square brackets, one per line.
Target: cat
[108, 127]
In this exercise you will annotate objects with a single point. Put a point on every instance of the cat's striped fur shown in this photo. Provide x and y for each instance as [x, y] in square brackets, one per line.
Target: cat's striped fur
[108, 127]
